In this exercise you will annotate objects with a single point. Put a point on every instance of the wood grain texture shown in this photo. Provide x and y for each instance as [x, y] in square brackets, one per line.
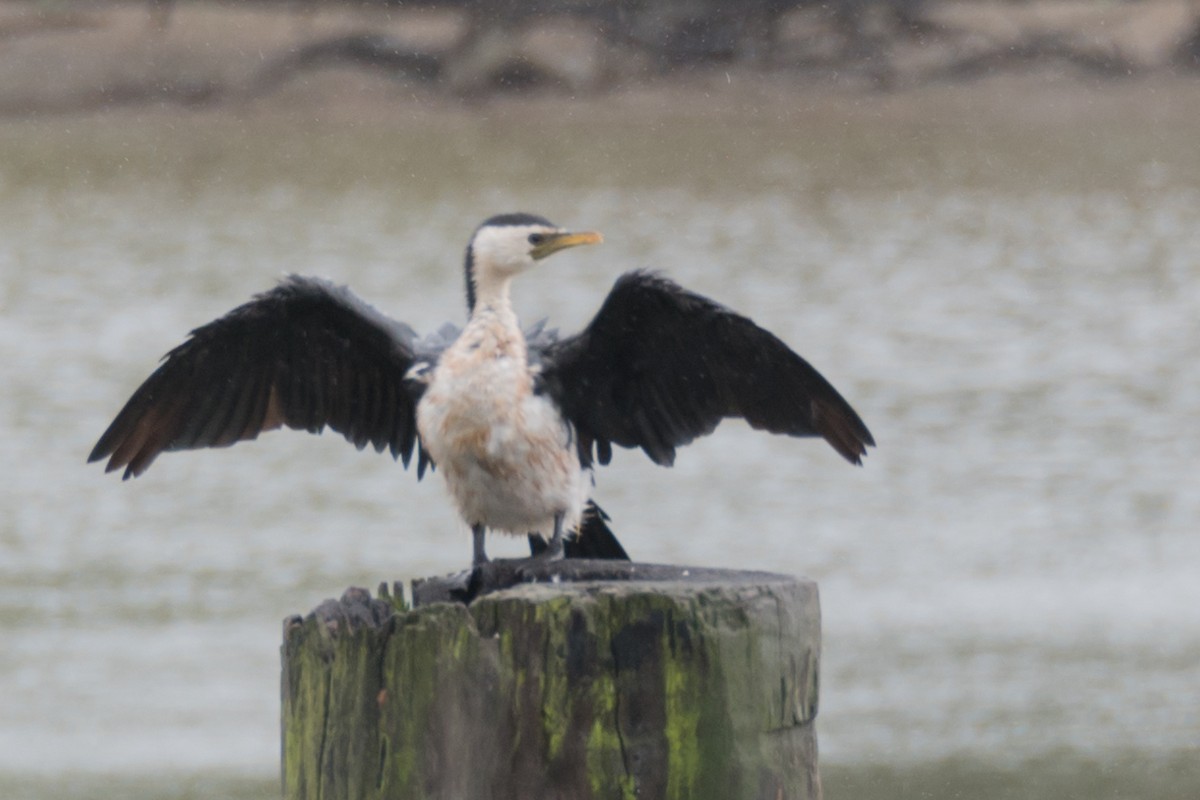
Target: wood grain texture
[702, 686]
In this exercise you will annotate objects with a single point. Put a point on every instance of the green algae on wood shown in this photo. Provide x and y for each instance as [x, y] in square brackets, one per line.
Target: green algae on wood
[702, 687]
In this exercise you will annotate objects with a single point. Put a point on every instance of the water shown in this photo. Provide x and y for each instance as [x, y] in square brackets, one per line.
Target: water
[1008, 292]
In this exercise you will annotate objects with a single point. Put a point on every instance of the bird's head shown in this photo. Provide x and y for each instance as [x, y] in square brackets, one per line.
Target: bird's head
[509, 244]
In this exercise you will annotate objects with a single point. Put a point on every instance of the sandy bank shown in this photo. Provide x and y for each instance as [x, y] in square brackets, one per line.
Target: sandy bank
[77, 58]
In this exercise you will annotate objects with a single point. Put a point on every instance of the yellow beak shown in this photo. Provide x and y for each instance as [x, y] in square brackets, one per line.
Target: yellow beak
[554, 242]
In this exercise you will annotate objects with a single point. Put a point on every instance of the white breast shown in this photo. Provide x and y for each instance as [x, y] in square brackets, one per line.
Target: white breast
[505, 453]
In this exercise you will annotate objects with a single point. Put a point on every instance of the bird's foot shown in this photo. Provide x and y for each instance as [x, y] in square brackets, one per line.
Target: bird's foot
[541, 567]
[487, 575]
[555, 550]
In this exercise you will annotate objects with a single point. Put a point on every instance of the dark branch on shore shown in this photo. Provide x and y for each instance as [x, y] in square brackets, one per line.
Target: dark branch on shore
[91, 56]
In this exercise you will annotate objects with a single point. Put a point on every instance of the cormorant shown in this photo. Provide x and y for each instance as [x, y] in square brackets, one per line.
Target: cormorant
[514, 420]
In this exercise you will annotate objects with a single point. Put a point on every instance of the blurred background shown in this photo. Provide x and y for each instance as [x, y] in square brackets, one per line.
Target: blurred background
[977, 219]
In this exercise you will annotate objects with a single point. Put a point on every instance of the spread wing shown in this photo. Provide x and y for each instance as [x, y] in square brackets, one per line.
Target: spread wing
[305, 354]
[659, 366]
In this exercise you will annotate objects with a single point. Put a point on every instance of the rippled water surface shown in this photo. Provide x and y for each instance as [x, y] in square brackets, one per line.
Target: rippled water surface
[1011, 302]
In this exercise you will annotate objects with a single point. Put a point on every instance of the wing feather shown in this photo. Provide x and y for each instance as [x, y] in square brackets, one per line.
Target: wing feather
[306, 354]
[660, 366]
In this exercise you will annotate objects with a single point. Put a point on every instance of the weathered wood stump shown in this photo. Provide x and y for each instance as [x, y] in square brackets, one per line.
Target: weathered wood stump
[659, 682]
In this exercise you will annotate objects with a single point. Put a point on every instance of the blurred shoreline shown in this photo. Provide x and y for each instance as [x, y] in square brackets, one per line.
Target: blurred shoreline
[73, 58]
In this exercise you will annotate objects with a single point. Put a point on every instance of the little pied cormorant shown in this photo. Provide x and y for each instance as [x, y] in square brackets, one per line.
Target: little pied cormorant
[513, 419]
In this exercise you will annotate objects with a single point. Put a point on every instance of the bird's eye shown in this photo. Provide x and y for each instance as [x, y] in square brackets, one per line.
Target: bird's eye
[536, 238]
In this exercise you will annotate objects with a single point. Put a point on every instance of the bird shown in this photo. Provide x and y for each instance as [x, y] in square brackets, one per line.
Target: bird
[515, 419]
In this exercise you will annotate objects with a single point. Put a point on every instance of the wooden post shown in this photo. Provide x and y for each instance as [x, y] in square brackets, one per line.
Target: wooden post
[664, 683]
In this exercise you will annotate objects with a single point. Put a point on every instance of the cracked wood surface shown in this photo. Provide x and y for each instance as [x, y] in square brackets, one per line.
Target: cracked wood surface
[670, 683]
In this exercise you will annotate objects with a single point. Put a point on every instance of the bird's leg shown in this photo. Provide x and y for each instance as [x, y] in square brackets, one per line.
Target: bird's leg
[554, 550]
[532, 569]
[480, 555]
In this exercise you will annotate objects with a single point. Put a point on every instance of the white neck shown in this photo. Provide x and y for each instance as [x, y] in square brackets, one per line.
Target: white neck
[493, 326]
[492, 291]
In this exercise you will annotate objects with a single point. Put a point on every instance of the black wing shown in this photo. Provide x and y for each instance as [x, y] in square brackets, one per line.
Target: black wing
[305, 354]
[660, 366]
